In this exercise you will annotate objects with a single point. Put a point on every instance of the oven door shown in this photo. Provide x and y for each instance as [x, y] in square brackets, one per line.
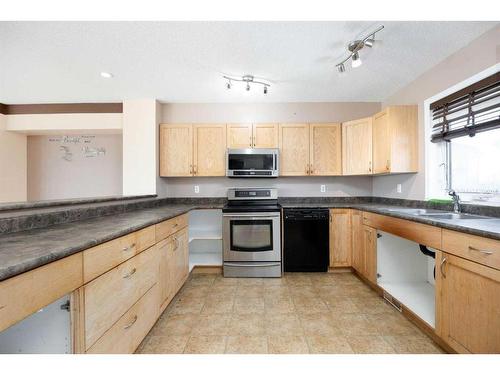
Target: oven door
[251, 237]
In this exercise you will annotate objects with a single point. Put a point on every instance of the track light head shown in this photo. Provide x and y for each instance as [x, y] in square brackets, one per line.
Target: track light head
[248, 87]
[369, 42]
[228, 85]
[341, 68]
[356, 60]
[265, 89]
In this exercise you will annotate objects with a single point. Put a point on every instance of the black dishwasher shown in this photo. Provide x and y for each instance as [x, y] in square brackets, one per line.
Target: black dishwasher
[306, 240]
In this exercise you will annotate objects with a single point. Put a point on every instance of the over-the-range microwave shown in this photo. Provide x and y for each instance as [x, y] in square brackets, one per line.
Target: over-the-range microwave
[252, 162]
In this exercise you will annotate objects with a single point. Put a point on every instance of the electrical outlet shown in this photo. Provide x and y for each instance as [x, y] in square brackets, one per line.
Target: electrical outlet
[398, 188]
[196, 189]
[322, 188]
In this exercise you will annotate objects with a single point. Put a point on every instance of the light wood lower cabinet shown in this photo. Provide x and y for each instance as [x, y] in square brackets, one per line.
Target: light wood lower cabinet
[22, 295]
[128, 332]
[181, 257]
[467, 304]
[370, 253]
[340, 238]
[109, 296]
[358, 254]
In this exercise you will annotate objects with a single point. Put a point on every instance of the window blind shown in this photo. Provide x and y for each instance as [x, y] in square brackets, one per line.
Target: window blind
[474, 109]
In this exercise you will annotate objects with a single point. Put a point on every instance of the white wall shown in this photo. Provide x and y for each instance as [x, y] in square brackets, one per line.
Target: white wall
[13, 172]
[479, 55]
[140, 147]
[50, 176]
[273, 112]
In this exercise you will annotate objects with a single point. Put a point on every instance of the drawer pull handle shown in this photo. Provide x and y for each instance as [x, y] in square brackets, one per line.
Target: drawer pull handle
[131, 323]
[127, 248]
[176, 243]
[130, 273]
[175, 225]
[442, 267]
[485, 252]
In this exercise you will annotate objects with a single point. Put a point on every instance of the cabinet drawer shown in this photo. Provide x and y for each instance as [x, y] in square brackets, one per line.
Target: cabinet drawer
[478, 249]
[420, 233]
[102, 258]
[109, 296]
[127, 333]
[22, 295]
[168, 227]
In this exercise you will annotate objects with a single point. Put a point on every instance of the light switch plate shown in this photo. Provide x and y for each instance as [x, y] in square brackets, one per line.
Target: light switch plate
[196, 189]
[322, 188]
[398, 188]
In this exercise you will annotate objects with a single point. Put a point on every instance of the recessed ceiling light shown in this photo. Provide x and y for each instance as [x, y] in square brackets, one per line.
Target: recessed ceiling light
[106, 75]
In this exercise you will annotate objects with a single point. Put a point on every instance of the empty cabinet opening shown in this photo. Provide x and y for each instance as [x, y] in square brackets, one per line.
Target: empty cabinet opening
[406, 273]
[205, 238]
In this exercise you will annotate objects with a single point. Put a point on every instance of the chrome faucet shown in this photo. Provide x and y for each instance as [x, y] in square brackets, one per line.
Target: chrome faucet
[456, 200]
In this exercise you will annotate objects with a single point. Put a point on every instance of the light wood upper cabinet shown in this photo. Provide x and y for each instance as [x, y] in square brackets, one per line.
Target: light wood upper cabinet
[176, 150]
[209, 150]
[357, 147]
[340, 238]
[239, 136]
[395, 143]
[294, 149]
[467, 304]
[325, 144]
[265, 136]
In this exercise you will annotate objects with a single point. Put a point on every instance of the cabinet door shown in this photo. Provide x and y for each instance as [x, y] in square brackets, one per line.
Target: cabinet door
[294, 149]
[239, 136]
[176, 150]
[209, 150]
[357, 147]
[358, 254]
[467, 304]
[325, 144]
[265, 135]
[181, 255]
[167, 271]
[381, 143]
[370, 253]
[340, 238]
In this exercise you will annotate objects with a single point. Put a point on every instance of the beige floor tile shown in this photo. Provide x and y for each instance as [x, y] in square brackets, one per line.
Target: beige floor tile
[275, 291]
[247, 305]
[175, 325]
[355, 325]
[221, 280]
[309, 305]
[205, 345]
[222, 305]
[392, 325]
[212, 325]
[246, 345]
[369, 345]
[287, 345]
[297, 279]
[372, 305]
[319, 324]
[249, 281]
[329, 345]
[194, 291]
[221, 291]
[202, 279]
[249, 291]
[164, 345]
[278, 305]
[341, 305]
[305, 291]
[283, 325]
[187, 305]
[414, 344]
[246, 325]
[274, 281]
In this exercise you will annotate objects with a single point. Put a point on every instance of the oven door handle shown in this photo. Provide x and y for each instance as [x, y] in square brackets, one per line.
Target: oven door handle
[249, 216]
[252, 264]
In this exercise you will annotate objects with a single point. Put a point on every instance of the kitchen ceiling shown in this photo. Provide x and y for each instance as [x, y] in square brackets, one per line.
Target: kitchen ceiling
[43, 62]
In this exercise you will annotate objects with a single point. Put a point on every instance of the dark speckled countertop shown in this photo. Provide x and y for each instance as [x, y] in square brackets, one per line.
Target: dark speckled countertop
[25, 250]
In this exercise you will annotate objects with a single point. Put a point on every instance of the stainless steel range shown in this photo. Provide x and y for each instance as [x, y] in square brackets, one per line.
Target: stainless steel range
[251, 233]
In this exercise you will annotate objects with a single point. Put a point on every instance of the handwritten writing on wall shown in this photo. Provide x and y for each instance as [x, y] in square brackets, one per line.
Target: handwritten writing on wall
[68, 145]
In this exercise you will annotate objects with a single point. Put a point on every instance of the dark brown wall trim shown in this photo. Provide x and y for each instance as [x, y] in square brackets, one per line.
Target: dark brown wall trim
[31, 109]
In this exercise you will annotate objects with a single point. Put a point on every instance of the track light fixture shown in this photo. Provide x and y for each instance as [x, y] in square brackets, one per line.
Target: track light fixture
[355, 46]
[249, 80]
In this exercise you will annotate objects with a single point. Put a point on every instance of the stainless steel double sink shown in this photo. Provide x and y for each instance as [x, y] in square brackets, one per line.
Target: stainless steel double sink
[437, 214]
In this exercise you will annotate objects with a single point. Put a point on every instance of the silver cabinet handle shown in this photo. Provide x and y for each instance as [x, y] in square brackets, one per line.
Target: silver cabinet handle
[176, 243]
[441, 267]
[485, 252]
[130, 273]
[127, 248]
[131, 323]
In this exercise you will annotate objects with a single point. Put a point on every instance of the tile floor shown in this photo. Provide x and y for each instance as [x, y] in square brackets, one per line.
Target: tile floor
[299, 313]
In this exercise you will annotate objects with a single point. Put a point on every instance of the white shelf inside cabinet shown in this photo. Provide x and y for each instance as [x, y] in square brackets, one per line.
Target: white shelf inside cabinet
[419, 297]
[205, 238]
